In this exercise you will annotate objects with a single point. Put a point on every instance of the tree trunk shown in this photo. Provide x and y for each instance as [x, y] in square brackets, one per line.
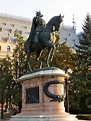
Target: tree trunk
[2, 102]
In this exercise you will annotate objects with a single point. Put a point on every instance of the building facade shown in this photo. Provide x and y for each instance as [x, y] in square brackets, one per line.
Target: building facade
[68, 35]
[8, 24]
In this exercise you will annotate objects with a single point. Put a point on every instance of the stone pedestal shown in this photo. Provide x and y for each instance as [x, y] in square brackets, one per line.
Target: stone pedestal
[36, 105]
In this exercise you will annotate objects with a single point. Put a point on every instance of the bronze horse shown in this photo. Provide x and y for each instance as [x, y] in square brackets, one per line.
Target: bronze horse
[45, 39]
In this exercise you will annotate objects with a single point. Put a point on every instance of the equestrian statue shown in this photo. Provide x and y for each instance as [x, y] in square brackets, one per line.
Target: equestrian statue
[42, 36]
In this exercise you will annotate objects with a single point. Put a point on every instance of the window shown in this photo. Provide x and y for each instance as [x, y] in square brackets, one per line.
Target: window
[25, 27]
[20, 32]
[8, 48]
[0, 47]
[69, 34]
[10, 30]
[4, 23]
[65, 38]
[12, 25]
[0, 29]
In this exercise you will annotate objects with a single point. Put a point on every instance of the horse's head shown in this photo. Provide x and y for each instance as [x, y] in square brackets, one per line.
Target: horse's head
[54, 23]
[58, 21]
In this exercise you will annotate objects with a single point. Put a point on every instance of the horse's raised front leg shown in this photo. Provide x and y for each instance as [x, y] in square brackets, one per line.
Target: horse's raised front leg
[50, 53]
[37, 59]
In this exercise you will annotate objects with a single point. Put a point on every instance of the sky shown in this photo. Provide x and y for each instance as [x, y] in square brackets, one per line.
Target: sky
[49, 8]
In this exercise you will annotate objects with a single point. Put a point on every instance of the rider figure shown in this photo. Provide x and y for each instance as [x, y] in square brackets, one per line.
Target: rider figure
[39, 24]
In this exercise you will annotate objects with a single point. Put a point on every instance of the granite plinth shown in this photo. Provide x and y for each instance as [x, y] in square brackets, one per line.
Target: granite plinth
[44, 109]
[28, 117]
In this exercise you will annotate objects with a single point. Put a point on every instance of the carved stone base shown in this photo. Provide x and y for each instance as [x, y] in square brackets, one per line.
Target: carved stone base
[36, 105]
[28, 117]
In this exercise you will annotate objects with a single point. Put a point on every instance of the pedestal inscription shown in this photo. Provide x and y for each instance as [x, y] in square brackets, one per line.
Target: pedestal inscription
[32, 95]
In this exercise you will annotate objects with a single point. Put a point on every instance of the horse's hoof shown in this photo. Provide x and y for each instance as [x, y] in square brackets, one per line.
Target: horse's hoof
[41, 65]
[28, 72]
[47, 65]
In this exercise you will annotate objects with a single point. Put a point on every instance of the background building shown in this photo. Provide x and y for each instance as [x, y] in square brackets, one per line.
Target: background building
[68, 35]
[8, 24]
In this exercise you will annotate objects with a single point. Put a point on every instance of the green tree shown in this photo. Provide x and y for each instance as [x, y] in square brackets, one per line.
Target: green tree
[63, 57]
[81, 73]
[19, 58]
[19, 68]
[6, 81]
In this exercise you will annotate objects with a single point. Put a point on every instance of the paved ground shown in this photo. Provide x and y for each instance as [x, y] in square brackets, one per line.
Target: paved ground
[9, 120]
[4, 119]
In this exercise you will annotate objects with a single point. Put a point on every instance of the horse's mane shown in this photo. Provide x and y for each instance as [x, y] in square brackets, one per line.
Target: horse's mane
[53, 20]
